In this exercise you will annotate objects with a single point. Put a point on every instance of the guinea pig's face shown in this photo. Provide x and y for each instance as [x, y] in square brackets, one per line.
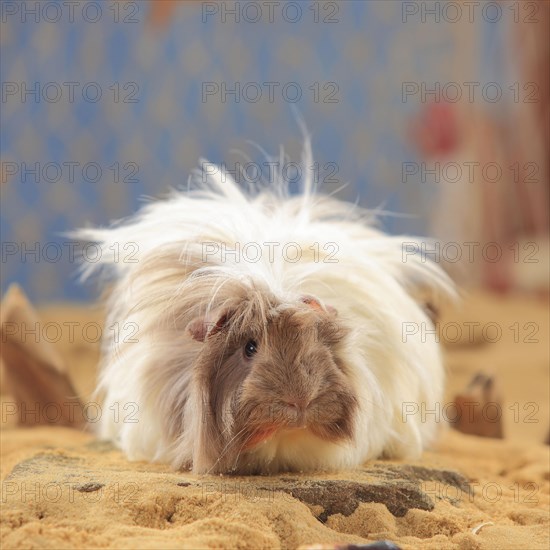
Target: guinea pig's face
[274, 372]
[295, 380]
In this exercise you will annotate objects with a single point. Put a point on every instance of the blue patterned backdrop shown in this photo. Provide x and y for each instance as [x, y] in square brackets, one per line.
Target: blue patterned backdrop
[96, 156]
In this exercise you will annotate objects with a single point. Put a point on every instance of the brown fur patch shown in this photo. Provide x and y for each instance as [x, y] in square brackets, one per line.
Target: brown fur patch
[294, 378]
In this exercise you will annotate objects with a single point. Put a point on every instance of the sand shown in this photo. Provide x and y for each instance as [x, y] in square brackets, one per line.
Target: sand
[63, 489]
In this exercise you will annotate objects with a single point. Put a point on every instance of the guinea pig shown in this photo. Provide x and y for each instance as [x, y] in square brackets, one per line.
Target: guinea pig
[256, 331]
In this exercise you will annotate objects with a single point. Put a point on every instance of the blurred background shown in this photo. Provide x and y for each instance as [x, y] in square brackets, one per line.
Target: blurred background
[435, 111]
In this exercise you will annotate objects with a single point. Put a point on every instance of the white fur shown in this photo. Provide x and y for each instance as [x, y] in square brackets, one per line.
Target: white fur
[373, 287]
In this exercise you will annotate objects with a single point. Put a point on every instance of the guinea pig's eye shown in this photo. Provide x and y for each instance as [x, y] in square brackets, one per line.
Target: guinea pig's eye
[250, 349]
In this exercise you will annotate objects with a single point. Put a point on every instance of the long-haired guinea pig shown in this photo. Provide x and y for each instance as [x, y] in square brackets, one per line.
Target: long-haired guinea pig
[261, 332]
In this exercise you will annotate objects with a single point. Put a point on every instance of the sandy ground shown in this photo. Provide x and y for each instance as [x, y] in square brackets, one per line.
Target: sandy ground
[63, 489]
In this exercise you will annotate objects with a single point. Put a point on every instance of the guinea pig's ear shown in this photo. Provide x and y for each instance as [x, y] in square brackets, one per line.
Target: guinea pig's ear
[316, 305]
[202, 328]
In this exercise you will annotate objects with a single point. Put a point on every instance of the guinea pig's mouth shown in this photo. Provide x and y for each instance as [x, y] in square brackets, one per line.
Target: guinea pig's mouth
[264, 433]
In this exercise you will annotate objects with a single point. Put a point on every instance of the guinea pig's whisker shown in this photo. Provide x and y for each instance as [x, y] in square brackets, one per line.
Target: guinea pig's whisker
[226, 448]
[236, 461]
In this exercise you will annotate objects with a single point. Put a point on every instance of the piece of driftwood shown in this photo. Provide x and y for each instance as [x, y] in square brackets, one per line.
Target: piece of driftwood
[479, 409]
[35, 376]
